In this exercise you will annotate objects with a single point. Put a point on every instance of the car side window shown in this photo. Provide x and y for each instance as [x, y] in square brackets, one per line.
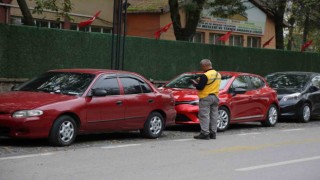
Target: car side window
[145, 87]
[131, 85]
[316, 81]
[240, 82]
[108, 83]
[256, 82]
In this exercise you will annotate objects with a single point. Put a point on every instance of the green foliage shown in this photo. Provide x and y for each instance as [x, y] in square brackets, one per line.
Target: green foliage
[62, 9]
[226, 8]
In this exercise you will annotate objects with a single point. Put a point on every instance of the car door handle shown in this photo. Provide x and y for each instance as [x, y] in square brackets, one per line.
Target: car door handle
[150, 100]
[119, 102]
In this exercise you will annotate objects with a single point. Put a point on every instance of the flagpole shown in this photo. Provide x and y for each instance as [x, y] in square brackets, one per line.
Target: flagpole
[124, 32]
[114, 30]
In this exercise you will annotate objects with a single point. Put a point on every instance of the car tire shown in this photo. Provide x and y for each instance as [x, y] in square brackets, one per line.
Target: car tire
[64, 131]
[154, 126]
[272, 116]
[305, 113]
[223, 119]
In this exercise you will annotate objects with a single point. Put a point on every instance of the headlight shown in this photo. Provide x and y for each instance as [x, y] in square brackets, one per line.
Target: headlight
[295, 96]
[27, 113]
[195, 102]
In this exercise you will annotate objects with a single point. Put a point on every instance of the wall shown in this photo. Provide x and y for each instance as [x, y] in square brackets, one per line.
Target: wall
[143, 24]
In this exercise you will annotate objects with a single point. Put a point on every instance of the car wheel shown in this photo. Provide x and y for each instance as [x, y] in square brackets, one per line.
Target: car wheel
[154, 126]
[63, 132]
[223, 119]
[272, 116]
[305, 113]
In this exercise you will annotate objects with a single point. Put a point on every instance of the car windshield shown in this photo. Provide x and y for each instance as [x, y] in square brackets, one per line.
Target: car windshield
[184, 81]
[58, 82]
[285, 81]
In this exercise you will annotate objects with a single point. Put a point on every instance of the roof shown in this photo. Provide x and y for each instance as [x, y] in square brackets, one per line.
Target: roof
[148, 6]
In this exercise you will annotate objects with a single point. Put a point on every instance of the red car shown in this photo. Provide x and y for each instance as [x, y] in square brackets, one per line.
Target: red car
[243, 97]
[60, 104]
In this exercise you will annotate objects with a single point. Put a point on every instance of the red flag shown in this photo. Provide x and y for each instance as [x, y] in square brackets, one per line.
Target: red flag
[89, 21]
[307, 44]
[268, 42]
[225, 37]
[157, 34]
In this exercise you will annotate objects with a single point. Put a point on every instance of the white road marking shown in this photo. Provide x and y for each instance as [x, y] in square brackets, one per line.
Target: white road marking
[278, 164]
[245, 134]
[182, 140]
[288, 130]
[25, 156]
[120, 146]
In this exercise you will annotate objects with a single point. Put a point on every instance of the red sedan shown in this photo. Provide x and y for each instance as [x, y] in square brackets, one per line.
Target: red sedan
[60, 104]
[243, 97]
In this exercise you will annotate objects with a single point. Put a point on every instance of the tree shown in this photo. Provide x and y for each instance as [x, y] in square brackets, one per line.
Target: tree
[62, 9]
[193, 9]
[304, 19]
[306, 13]
[277, 8]
[27, 16]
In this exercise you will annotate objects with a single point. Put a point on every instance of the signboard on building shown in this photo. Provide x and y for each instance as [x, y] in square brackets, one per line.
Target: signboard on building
[255, 23]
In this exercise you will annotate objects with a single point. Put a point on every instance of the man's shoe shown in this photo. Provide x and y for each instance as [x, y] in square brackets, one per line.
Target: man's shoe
[213, 136]
[202, 136]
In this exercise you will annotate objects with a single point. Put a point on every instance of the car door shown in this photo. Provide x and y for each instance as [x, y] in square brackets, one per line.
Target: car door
[259, 97]
[139, 100]
[239, 105]
[106, 112]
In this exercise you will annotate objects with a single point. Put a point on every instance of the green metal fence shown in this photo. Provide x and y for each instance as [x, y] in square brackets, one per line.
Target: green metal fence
[28, 51]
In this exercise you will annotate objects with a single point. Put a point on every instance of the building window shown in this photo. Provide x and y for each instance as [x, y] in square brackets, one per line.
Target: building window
[90, 29]
[40, 23]
[198, 37]
[213, 39]
[236, 40]
[105, 30]
[55, 25]
[48, 24]
[16, 21]
[254, 42]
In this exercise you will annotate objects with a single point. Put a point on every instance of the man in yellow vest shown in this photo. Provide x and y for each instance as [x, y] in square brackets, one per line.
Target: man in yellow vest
[208, 91]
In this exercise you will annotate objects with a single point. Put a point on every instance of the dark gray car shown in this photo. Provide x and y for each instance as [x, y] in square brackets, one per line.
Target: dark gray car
[298, 94]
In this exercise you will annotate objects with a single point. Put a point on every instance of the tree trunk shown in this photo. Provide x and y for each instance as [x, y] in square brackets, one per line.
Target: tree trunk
[27, 16]
[192, 19]
[306, 28]
[290, 35]
[278, 19]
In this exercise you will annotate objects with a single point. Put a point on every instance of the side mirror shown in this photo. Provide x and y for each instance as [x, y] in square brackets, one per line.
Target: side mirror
[236, 91]
[13, 88]
[99, 92]
[313, 89]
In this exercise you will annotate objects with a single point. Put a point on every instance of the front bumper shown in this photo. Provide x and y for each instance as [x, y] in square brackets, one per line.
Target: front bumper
[290, 110]
[187, 114]
[32, 127]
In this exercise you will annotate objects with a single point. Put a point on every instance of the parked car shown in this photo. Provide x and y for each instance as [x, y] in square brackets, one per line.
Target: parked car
[298, 94]
[60, 104]
[243, 97]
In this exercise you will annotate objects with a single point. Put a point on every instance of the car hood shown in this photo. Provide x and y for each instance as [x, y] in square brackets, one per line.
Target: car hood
[183, 94]
[18, 100]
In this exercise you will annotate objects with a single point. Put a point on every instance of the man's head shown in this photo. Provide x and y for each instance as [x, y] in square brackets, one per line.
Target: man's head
[205, 64]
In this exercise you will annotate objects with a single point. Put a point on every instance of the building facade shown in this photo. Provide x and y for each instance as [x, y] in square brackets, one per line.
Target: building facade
[82, 10]
[145, 17]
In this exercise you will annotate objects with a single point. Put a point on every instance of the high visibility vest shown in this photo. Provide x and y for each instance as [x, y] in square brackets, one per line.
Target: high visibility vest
[213, 84]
